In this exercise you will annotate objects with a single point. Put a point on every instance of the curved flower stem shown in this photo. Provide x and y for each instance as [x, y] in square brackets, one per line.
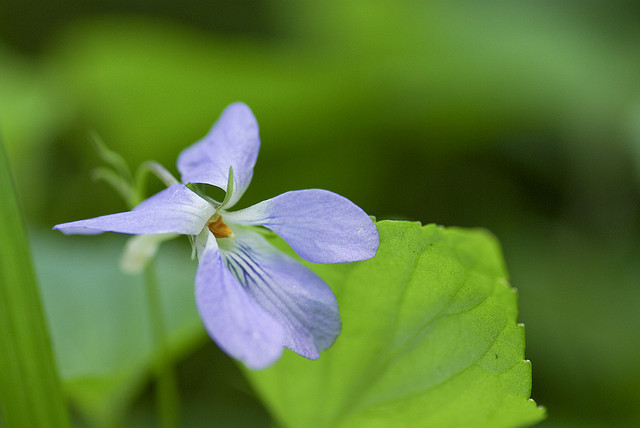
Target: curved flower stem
[139, 180]
[166, 384]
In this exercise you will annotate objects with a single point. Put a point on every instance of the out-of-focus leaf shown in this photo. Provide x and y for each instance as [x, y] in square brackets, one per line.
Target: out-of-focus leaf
[30, 391]
[429, 339]
[99, 319]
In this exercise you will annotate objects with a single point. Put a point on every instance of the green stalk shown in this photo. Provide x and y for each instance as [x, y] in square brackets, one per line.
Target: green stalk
[166, 384]
[30, 390]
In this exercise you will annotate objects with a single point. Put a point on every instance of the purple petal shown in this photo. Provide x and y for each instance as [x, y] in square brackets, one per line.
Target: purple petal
[232, 142]
[295, 296]
[321, 226]
[237, 323]
[176, 209]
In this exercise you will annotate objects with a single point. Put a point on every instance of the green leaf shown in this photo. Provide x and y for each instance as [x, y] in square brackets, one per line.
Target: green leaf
[30, 391]
[429, 338]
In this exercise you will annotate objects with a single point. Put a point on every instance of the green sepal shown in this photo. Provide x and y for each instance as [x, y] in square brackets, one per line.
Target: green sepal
[229, 191]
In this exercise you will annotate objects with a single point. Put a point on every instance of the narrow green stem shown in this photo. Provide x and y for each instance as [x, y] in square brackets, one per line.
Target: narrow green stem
[166, 384]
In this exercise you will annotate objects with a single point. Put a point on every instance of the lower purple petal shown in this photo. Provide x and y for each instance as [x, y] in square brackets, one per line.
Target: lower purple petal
[233, 319]
[295, 296]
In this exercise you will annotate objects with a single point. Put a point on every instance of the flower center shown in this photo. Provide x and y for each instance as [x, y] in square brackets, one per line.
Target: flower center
[219, 228]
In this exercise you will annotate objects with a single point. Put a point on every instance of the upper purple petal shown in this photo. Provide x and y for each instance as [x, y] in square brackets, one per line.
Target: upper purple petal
[176, 209]
[237, 323]
[295, 296]
[321, 226]
[232, 142]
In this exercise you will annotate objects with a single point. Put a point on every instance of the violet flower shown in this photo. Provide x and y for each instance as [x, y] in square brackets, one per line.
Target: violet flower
[253, 299]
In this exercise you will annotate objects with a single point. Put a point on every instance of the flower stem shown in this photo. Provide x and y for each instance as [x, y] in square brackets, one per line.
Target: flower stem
[166, 385]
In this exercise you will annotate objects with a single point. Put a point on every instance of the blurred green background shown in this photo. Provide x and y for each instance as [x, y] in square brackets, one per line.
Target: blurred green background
[521, 117]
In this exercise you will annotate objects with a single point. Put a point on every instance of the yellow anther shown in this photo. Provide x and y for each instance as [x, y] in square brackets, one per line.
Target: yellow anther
[219, 228]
